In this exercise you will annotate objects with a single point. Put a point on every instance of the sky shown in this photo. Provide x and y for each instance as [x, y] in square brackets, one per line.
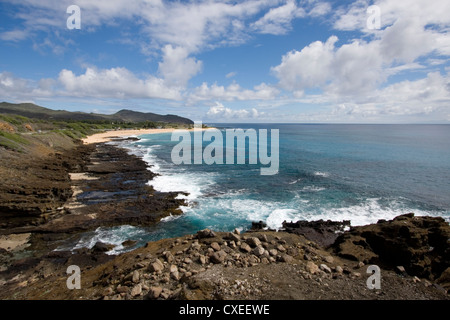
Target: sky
[241, 61]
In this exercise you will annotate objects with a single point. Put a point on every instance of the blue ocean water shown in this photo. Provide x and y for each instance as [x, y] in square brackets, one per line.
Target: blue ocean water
[360, 173]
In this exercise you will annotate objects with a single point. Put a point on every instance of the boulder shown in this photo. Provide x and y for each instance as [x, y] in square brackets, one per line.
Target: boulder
[102, 247]
[233, 237]
[154, 292]
[123, 289]
[325, 268]
[286, 258]
[205, 233]
[253, 242]
[218, 257]
[263, 238]
[245, 247]
[202, 259]
[129, 243]
[137, 290]
[311, 267]
[156, 266]
[136, 276]
[215, 246]
[258, 251]
[339, 270]
[258, 225]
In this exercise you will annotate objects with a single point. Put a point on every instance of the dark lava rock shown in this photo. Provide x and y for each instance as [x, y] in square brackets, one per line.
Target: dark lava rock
[205, 233]
[419, 244]
[260, 225]
[102, 247]
[129, 243]
[321, 232]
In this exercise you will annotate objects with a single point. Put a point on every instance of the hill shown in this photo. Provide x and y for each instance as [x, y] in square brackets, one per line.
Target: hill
[33, 111]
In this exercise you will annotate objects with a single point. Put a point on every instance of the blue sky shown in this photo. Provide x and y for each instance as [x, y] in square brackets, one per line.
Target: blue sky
[232, 61]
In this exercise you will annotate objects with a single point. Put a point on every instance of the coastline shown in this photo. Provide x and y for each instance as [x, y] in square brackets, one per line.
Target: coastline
[258, 264]
[110, 135]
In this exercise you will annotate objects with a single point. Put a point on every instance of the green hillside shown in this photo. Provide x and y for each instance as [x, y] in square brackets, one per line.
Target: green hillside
[37, 112]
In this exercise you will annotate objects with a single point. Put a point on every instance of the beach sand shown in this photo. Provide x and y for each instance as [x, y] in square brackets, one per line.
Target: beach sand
[12, 242]
[107, 136]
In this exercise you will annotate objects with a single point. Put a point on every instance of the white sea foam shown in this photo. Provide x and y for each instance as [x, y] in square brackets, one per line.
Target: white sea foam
[170, 218]
[295, 181]
[313, 188]
[173, 178]
[274, 213]
[321, 174]
[278, 216]
[115, 236]
[368, 212]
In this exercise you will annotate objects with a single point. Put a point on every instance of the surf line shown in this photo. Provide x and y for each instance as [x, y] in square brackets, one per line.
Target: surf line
[214, 151]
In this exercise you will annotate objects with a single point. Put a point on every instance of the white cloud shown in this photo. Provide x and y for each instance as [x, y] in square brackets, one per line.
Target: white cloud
[278, 20]
[230, 74]
[231, 93]
[14, 35]
[177, 67]
[360, 66]
[117, 83]
[353, 17]
[18, 89]
[406, 40]
[320, 9]
[219, 111]
[306, 68]
[425, 99]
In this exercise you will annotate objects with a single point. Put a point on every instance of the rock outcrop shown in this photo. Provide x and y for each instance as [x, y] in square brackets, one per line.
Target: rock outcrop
[420, 244]
[322, 232]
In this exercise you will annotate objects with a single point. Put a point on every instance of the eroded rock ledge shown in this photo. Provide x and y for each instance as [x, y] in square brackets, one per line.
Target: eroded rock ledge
[420, 244]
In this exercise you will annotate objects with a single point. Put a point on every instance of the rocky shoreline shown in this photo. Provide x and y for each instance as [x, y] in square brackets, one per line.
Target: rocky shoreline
[102, 185]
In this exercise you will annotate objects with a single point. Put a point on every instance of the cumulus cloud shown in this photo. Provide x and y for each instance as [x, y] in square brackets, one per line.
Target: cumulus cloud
[19, 89]
[177, 67]
[232, 92]
[219, 111]
[425, 99]
[360, 66]
[306, 68]
[114, 83]
[278, 20]
[319, 9]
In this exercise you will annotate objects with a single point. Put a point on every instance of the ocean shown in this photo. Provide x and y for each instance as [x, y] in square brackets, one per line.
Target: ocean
[360, 173]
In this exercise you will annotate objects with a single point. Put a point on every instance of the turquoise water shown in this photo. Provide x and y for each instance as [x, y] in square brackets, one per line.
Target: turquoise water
[360, 173]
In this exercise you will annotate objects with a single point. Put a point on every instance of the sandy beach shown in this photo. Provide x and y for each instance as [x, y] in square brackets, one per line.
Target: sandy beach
[107, 136]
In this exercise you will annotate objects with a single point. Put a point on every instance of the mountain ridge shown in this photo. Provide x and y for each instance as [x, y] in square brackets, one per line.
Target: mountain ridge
[31, 110]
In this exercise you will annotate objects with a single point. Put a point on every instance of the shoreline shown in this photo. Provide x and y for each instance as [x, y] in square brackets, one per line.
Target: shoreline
[110, 135]
[206, 265]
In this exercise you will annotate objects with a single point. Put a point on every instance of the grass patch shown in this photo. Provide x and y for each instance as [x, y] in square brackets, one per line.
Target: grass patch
[15, 137]
[13, 141]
